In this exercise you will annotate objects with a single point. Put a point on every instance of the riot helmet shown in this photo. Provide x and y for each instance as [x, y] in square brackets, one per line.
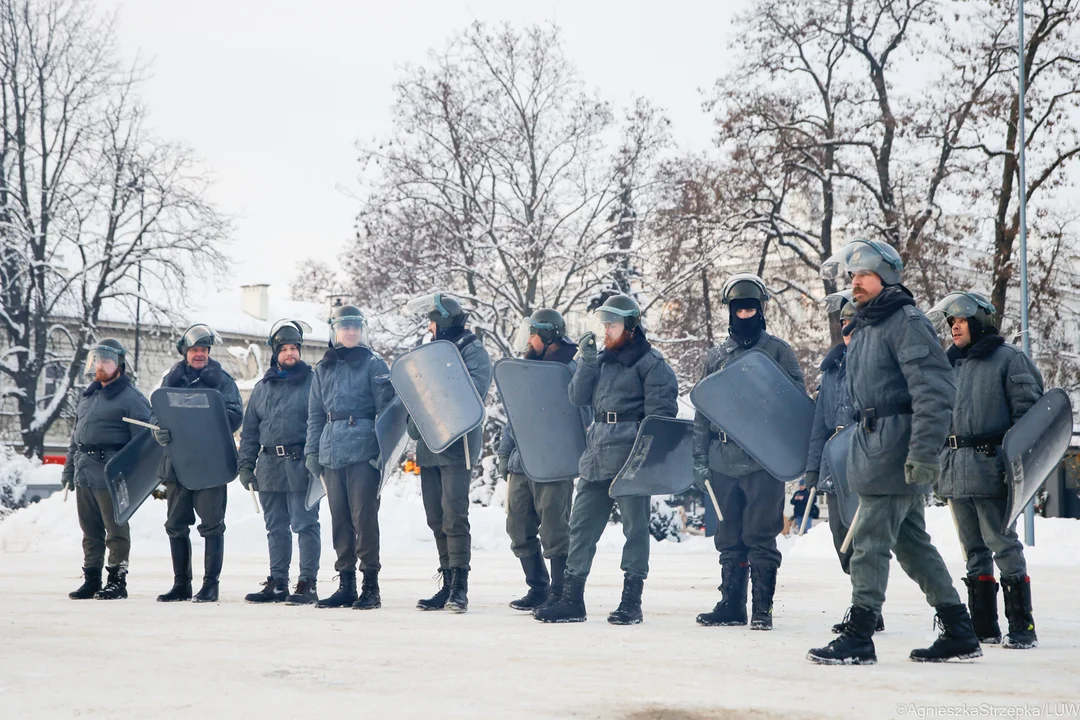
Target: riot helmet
[863, 256]
[348, 327]
[198, 335]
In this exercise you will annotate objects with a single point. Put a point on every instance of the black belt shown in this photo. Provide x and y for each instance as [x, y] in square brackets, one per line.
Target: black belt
[295, 452]
[93, 450]
[351, 417]
[718, 435]
[611, 418]
[869, 416]
[986, 444]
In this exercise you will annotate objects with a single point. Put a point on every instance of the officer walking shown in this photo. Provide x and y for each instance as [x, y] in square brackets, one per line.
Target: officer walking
[538, 508]
[625, 382]
[903, 389]
[350, 388]
[99, 433]
[445, 477]
[996, 384]
[751, 500]
[271, 461]
[196, 370]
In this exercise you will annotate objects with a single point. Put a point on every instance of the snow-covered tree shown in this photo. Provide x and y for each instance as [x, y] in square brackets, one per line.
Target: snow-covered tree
[90, 201]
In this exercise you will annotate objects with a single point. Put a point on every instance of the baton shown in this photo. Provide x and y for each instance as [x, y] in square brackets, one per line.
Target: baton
[716, 505]
[806, 512]
[850, 532]
[65, 493]
[140, 423]
[255, 501]
[956, 524]
[468, 461]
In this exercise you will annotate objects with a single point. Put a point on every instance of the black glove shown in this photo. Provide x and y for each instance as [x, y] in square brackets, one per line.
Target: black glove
[163, 436]
[702, 474]
[313, 466]
[810, 480]
[587, 348]
[501, 465]
[247, 479]
[67, 479]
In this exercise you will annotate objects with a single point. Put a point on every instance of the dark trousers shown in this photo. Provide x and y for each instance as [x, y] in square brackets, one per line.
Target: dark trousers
[446, 504]
[753, 509]
[100, 531]
[538, 511]
[352, 492]
[591, 514]
[284, 513]
[183, 504]
[839, 532]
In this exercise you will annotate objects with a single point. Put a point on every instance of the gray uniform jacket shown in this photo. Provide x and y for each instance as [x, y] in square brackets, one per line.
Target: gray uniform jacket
[728, 458]
[556, 352]
[352, 384]
[833, 408]
[101, 430]
[995, 385]
[895, 357]
[276, 417]
[212, 376]
[478, 363]
[634, 381]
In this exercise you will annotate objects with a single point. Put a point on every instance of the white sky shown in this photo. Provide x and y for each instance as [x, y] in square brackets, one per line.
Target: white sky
[273, 95]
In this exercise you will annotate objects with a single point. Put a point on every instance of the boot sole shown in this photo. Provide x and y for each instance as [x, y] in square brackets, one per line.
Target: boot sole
[735, 623]
[990, 640]
[625, 622]
[204, 600]
[177, 599]
[562, 621]
[264, 602]
[427, 608]
[115, 597]
[760, 626]
[347, 605]
[457, 609]
[367, 607]
[841, 661]
[1020, 646]
[524, 608]
[977, 653]
[292, 603]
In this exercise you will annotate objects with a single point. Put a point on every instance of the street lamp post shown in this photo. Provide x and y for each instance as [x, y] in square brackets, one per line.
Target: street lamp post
[1025, 332]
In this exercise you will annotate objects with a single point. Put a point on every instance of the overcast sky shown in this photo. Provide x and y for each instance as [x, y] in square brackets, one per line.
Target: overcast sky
[273, 95]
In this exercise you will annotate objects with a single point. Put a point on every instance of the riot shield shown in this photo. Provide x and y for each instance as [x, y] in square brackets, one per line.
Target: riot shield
[836, 459]
[202, 451]
[132, 474]
[1033, 448]
[392, 436]
[434, 384]
[762, 410]
[661, 461]
[549, 430]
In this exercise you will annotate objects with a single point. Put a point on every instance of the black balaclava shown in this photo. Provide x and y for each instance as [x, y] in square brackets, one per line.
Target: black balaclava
[746, 331]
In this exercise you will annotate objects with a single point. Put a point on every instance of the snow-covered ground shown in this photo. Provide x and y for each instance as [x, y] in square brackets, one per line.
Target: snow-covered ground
[138, 658]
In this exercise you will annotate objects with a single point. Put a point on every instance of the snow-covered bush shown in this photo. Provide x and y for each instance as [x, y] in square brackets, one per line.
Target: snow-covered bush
[14, 473]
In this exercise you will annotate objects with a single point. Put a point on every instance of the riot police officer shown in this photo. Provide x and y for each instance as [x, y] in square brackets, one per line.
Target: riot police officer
[197, 370]
[99, 433]
[623, 384]
[350, 388]
[903, 390]
[271, 461]
[751, 500]
[996, 384]
[538, 511]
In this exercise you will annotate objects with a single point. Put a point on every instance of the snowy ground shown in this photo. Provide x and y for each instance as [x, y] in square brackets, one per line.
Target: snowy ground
[138, 658]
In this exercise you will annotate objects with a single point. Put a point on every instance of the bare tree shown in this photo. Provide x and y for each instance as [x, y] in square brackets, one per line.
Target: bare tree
[498, 183]
[315, 281]
[89, 201]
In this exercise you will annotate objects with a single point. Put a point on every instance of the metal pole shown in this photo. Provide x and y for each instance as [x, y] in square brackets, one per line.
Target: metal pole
[1025, 339]
[138, 298]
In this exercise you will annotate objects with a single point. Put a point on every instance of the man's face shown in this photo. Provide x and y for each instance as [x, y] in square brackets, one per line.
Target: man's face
[746, 313]
[961, 333]
[536, 343]
[865, 286]
[433, 328]
[613, 334]
[348, 336]
[288, 356]
[105, 370]
[197, 357]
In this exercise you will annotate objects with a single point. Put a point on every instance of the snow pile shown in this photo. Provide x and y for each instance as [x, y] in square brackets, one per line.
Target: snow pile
[1057, 540]
[15, 471]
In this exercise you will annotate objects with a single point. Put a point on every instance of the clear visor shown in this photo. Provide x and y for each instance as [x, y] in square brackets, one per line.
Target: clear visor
[607, 326]
[834, 302]
[104, 357]
[299, 324]
[952, 305]
[425, 305]
[519, 341]
[854, 259]
[200, 335]
[349, 332]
